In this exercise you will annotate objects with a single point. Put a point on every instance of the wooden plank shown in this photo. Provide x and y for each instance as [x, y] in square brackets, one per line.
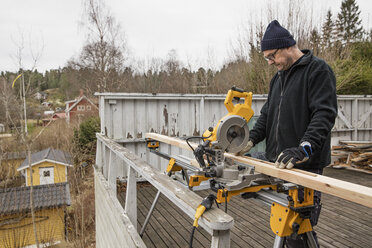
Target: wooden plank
[356, 142]
[349, 191]
[131, 197]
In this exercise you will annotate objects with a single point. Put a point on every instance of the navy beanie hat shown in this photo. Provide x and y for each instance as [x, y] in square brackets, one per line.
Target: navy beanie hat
[276, 37]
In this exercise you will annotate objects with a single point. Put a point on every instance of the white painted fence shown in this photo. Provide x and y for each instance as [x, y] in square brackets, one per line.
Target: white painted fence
[126, 117]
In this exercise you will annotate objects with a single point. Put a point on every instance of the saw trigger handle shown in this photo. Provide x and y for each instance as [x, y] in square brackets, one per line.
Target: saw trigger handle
[234, 88]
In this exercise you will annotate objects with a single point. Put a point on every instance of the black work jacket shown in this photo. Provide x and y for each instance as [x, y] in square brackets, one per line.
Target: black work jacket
[301, 106]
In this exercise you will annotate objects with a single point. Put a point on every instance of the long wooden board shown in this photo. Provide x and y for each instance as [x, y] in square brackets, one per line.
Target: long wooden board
[348, 191]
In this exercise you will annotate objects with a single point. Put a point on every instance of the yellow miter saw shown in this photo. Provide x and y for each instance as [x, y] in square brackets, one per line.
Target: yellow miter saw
[231, 134]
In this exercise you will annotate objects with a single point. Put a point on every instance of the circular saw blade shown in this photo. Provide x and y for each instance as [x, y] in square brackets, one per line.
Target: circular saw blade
[232, 133]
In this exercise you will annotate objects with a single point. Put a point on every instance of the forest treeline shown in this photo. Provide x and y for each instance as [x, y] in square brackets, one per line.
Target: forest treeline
[102, 64]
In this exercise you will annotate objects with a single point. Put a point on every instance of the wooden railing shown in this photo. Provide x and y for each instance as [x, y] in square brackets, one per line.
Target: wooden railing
[113, 161]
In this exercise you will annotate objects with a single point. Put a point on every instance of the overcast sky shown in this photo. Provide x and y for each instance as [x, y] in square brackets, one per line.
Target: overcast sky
[201, 31]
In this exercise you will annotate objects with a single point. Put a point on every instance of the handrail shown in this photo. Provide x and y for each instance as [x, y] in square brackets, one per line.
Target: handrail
[216, 222]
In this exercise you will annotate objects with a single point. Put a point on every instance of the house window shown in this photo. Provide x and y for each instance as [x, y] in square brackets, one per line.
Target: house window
[89, 107]
[46, 173]
[80, 107]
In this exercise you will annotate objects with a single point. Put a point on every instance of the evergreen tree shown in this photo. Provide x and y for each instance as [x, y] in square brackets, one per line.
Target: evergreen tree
[348, 23]
[328, 31]
[315, 40]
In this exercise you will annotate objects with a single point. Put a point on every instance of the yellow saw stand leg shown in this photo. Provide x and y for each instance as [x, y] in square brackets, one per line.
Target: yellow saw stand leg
[293, 219]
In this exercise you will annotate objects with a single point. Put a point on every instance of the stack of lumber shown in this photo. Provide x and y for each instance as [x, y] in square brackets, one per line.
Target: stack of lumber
[355, 154]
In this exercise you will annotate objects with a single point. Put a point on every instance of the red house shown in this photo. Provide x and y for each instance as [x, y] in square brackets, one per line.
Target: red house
[82, 106]
[54, 117]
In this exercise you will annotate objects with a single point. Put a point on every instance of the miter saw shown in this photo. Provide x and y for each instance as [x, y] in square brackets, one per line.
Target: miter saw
[231, 134]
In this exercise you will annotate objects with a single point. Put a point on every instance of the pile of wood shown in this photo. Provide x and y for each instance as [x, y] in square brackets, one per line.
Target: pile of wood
[354, 154]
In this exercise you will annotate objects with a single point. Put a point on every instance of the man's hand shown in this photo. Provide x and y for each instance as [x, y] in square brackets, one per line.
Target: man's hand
[293, 156]
[245, 149]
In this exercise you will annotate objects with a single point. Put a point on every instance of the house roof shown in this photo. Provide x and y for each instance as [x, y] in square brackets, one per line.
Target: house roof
[14, 155]
[71, 101]
[77, 101]
[61, 115]
[51, 155]
[16, 200]
[55, 116]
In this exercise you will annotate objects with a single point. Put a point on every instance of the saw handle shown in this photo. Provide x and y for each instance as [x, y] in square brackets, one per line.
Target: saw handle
[237, 93]
[234, 88]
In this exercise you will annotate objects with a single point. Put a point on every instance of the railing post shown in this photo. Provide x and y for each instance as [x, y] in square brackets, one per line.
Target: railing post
[220, 239]
[99, 155]
[131, 196]
[355, 116]
[112, 168]
[122, 170]
[106, 160]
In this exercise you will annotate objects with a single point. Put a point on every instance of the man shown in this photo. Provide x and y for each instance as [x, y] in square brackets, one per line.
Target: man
[299, 113]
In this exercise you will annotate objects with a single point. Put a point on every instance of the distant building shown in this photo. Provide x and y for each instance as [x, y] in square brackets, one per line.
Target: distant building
[82, 106]
[16, 227]
[48, 112]
[46, 104]
[59, 109]
[51, 195]
[48, 166]
[40, 95]
[54, 117]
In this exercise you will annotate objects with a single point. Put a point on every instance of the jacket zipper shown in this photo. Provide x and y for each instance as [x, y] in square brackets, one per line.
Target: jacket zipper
[282, 83]
[280, 103]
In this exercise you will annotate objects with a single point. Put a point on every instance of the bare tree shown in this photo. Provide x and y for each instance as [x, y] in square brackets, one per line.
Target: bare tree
[25, 139]
[18, 57]
[105, 50]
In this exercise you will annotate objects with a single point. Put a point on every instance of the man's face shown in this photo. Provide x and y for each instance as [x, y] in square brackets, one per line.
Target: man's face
[279, 58]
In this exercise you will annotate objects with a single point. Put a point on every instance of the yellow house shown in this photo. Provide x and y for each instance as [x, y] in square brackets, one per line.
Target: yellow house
[48, 166]
[16, 227]
[51, 194]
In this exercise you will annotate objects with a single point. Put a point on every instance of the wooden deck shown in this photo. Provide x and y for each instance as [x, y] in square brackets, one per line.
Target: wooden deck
[341, 224]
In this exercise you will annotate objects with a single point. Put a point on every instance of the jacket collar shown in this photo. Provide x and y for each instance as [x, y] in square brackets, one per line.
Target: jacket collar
[308, 54]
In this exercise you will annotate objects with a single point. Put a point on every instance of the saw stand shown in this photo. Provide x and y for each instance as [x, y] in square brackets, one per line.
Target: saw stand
[311, 243]
[287, 212]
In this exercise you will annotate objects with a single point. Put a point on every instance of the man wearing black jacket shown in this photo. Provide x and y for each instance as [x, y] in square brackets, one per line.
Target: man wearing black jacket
[299, 113]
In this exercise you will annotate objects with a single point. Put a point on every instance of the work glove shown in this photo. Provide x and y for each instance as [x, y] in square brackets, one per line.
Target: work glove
[245, 149]
[294, 156]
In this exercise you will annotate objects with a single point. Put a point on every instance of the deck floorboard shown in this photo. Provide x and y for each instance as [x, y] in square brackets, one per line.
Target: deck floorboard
[341, 224]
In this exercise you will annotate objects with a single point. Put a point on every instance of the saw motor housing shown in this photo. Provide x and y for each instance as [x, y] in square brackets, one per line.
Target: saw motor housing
[231, 133]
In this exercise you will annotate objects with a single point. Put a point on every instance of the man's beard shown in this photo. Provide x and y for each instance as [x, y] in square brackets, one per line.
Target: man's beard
[286, 65]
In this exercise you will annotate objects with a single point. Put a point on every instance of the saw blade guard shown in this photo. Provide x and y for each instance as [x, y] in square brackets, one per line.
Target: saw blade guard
[232, 134]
